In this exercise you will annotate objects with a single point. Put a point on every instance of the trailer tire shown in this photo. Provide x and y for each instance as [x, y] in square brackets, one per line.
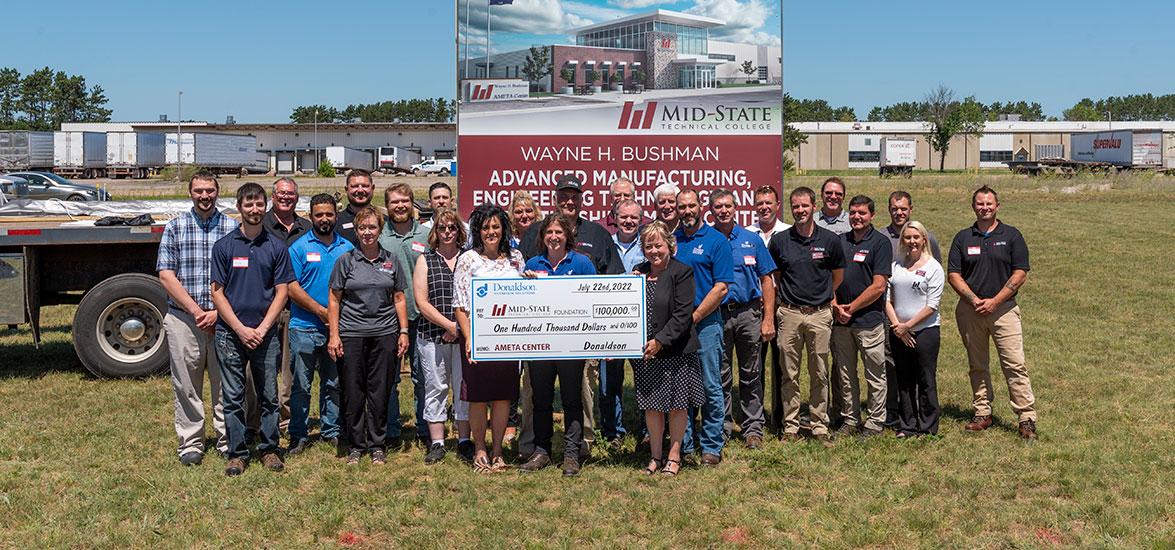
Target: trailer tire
[444, 172]
[118, 327]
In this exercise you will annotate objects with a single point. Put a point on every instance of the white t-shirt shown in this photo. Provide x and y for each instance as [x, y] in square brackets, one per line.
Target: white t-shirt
[779, 227]
[910, 291]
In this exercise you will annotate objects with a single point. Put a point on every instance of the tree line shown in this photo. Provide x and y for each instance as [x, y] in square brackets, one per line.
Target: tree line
[404, 110]
[44, 98]
[1126, 108]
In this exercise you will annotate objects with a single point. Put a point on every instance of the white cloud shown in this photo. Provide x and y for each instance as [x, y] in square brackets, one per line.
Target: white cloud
[629, 4]
[594, 12]
[745, 20]
[543, 17]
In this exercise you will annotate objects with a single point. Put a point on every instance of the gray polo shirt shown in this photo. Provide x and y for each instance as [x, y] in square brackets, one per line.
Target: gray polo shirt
[839, 224]
[368, 307]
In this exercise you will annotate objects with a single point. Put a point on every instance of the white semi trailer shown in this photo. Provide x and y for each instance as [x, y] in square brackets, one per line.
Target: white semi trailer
[134, 154]
[79, 154]
[346, 158]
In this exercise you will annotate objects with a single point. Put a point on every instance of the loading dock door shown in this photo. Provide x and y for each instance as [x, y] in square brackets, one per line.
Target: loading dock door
[285, 162]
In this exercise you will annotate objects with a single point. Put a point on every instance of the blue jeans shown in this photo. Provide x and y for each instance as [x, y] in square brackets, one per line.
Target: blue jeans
[394, 429]
[262, 362]
[612, 398]
[712, 435]
[308, 348]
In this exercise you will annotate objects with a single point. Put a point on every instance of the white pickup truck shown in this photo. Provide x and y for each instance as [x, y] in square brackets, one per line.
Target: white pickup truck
[443, 167]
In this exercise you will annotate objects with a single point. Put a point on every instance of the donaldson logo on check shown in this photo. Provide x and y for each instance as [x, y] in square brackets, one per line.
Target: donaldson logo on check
[515, 288]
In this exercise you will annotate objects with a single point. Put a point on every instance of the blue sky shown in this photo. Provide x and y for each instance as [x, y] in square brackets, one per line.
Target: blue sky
[862, 53]
[251, 59]
[532, 22]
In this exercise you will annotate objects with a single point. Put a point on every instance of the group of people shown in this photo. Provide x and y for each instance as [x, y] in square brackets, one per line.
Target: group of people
[262, 305]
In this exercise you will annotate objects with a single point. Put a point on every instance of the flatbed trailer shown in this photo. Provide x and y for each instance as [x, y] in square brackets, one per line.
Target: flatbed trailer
[109, 272]
[1063, 167]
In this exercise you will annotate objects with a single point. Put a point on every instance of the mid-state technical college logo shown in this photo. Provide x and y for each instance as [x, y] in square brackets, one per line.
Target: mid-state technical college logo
[636, 119]
[499, 310]
[481, 94]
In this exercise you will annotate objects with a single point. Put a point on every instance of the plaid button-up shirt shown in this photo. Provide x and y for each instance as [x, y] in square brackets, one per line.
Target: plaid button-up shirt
[186, 249]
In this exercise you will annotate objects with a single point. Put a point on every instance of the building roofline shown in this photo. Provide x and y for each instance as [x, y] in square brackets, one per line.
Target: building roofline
[659, 15]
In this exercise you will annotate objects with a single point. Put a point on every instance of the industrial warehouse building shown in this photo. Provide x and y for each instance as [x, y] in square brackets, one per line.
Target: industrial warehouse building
[674, 50]
[288, 148]
[856, 145]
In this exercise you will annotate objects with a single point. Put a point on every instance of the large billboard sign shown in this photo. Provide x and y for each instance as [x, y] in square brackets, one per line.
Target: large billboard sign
[703, 143]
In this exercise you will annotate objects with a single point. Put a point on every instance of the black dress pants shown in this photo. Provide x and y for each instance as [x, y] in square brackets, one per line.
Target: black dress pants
[917, 386]
[366, 378]
[542, 381]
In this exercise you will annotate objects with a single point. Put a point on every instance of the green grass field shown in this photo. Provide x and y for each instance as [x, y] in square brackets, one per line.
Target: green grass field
[91, 463]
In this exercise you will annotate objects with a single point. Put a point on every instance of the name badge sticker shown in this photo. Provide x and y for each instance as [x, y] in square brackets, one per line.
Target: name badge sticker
[348, 225]
[240, 262]
[973, 250]
[750, 260]
[313, 257]
[817, 255]
[418, 247]
[860, 255]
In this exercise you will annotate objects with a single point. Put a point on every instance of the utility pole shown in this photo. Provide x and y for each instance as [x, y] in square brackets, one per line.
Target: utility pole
[317, 161]
[179, 129]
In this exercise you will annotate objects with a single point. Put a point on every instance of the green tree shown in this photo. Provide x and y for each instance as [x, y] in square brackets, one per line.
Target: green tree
[941, 122]
[792, 138]
[1084, 110]
[9, 96]
[538, 63]
[36, 99]
[907, 111]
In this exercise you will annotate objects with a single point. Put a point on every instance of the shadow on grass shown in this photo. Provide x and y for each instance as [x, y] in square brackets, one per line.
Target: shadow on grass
[26, 361]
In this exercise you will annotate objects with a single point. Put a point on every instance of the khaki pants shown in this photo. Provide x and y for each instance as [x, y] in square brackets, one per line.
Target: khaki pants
[285, 382]
[1003, 327]
[869, 344]
[797, 332]
[192, 355]
[591, 372]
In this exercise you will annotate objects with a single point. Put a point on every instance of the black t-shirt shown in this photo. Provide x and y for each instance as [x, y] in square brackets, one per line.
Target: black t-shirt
[591, 240]
[345, 225]
[873, 255]
[301, 227]
[986, 262]
[806, 264]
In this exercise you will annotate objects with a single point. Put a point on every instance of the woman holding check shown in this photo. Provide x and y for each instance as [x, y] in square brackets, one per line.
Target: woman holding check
[365, 313]
[669, 377]
[915, 289]
[486, 384]
[557, 239]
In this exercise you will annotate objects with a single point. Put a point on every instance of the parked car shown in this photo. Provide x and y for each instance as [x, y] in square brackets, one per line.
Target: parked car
[443, 167]
[47, 185]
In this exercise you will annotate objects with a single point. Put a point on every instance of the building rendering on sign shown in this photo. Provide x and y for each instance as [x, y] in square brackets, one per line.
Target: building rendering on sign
[672, 50]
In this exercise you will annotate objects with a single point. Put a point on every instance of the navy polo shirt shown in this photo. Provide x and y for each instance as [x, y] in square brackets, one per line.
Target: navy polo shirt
[573, 263]
[708, 253]
[805, 265]
[312, 262]
[872, 255]
[751, 261]
[249, 269]
[986, 261]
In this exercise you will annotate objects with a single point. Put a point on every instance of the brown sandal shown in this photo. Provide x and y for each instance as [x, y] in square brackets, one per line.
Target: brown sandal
[671, 471]
[481, 465]
[655, 465]
[498, 465]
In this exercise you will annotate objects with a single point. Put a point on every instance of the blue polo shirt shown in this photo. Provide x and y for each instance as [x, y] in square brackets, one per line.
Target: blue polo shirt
[312, 262]
[249, 269]
[631, 254]
[708, 253]
[751, 261]
[573, 263]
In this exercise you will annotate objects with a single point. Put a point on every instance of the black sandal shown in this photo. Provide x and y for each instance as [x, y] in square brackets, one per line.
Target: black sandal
[655, 465]
[671, 472]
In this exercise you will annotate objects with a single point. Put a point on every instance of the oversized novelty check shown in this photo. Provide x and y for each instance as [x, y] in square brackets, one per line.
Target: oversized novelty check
[566, 317]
